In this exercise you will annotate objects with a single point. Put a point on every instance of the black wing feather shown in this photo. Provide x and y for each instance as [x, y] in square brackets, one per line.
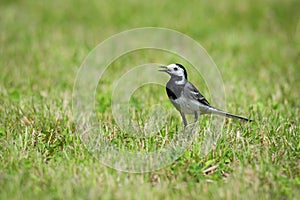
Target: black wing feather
[195, 94]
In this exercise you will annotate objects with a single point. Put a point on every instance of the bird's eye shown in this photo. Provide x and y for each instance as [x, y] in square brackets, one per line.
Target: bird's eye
[175, 68]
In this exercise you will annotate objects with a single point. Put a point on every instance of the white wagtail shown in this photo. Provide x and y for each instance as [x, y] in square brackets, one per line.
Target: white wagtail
[185, 96]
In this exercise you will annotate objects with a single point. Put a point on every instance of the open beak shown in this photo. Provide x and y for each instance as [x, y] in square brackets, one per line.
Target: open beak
[163, 69]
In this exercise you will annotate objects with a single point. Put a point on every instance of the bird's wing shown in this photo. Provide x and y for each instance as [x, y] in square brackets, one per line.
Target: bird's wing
[192, 93]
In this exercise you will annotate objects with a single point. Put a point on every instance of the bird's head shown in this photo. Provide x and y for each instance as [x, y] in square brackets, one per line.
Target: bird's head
[175, 70]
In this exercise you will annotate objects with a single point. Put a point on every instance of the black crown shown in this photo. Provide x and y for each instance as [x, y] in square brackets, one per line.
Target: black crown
[184, 70]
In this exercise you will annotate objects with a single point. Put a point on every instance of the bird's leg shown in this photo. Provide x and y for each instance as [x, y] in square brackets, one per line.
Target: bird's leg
[196, 117]
[183, 119]
[195, 121]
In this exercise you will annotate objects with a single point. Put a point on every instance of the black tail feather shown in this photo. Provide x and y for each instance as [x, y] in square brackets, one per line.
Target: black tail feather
[229, 115]
[237, 117]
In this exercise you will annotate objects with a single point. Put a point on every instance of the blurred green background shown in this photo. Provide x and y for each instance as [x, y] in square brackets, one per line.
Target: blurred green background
[256, 46]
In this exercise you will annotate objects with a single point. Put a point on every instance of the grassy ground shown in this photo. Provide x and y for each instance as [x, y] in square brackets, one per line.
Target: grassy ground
[256, 46]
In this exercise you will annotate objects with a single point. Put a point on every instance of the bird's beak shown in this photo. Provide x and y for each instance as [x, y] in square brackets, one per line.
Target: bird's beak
[163, 69]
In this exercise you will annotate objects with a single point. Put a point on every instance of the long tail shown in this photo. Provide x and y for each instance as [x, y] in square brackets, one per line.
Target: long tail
[226, 114]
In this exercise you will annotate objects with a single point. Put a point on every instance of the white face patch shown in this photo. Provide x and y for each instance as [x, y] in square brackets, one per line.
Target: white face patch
[175, 70]
[181, 82]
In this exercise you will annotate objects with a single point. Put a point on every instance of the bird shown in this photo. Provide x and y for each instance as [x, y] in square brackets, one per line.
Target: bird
[186, 98]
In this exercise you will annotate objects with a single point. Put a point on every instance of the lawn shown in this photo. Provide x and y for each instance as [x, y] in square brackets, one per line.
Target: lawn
[255, 46]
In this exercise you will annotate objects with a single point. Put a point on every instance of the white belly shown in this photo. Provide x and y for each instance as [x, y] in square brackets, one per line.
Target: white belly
[189, 106]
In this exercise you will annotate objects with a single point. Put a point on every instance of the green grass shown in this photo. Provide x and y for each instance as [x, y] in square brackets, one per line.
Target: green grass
[256, 46]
